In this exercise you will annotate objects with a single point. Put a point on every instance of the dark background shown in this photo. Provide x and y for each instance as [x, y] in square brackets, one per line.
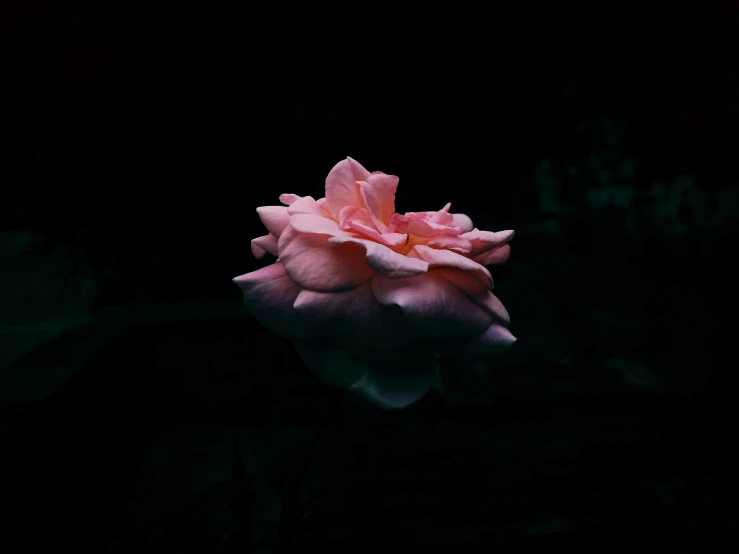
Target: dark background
[143, 409]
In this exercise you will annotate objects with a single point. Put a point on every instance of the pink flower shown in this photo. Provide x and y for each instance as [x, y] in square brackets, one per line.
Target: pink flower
[370, 297]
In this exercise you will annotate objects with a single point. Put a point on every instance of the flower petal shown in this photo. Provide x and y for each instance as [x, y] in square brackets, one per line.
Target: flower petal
[494, 340]
[288, 199]
[269, 296]
[447, 258]
[316, 225]
[476, 291]
[385, 187]
[314, 263]
[384, 260]
[442, 217]
[353, 315]
[462, 222]
[341, 185]
[482, 241]
[321, 203]
[262, 245]
[305, 205]
[418, 224]
[388, 239]
[372, 205]
[431, 306]
[498, 255]
[274, 218]
[358, 220]
[456, 244]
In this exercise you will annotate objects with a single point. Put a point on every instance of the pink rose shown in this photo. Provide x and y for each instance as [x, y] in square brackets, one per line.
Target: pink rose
[370, 297]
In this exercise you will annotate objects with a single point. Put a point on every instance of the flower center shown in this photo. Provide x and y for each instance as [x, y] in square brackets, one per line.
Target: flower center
[413, 240]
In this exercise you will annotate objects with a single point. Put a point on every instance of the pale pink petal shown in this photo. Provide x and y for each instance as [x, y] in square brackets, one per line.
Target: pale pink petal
[417, 224]
[447, 258]
[262, 245]
[384, 260]
[442, 217]
[373, 206]
[305, 205]
[498, 255]
[456, 244]
[431, 306]
[341, 185]
[482, 241]
[288, 199]
[462, 222]
[316, 264]
[388, 239]
[274, 218]
[269, 296]
[315, 224]
[385, 187]
[321, 203]
[356, 219]
[494, 340]
[352, 212]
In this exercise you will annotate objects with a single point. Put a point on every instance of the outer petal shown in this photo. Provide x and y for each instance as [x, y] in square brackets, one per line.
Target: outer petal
[476, 292]
[341, 185]
[305, 205]
[498, 255]
[384, 260]
[274, 218]
[393, 383]
[482, 241]
[355, 318]
[269, 296]
[494, 340]
[462, 222]
[456, 244]
[447, 258]
[316, 225]
[261, 245]
[314, 263]
[431, 306]
[288, 199]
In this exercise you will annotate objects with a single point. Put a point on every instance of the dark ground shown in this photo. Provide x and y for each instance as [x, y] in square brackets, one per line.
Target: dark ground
[151, 413]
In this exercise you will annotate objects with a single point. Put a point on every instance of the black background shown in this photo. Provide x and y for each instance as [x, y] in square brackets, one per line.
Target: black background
[140, 138]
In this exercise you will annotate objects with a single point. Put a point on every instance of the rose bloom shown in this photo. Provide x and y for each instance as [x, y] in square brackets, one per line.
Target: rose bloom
[372, 298]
